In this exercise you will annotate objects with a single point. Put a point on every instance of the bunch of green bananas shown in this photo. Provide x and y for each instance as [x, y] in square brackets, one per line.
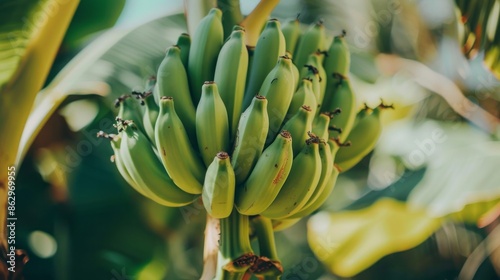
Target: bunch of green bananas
[252, 131]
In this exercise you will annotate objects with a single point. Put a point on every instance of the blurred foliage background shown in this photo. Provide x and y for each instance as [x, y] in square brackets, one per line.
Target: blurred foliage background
[424, 205]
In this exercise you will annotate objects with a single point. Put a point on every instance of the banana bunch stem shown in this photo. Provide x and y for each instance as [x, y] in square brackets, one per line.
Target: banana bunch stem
[235, 252]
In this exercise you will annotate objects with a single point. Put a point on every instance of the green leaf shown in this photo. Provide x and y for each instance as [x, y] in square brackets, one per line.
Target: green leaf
[462, 166]
[115, 63]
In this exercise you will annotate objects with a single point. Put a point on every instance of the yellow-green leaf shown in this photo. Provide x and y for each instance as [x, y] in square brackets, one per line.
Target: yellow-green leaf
[349, 242]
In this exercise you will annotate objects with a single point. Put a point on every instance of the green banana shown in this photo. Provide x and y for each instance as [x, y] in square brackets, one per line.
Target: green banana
[267, 177]
[150, 115]
[206, 44]
[314, 64]
[230, 76]
[299, 126]
[212, 128]
[278, 89]
[311, 41]
[235, 252]
[231, 14]
[177, 155]
[298, 188]
[303, 96]
[291, 32]
[173, 82]
[219, 187]
[343, 97]
[338, 58]
[326, 157]
[184, 43]
[295, 72]
[118, 160]
[321, 124]
[279, 225]
[144, 167]
[270, 46]
[250, 138]
[363, 138]
[129, 109]
[310, 72]
[321, 198]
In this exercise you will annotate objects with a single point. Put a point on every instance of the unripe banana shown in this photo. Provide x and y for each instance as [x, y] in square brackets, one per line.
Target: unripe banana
[300, 183]
[250, 138]
[212, 128]
[325, 154]
[338, 58]
[310, 72]
[150, 115]
[343, 97]
[278, 88]
[321, 124]
[267, 177]
[219, 187]
[316, 60]
[118, 160]
[295, 72]
[299, 126]
[184, 43]
[315, 205]
[231, 15]
[363, 138]
[311, 41]
[177, 155]
[270, 46]
[129, 109]
[230, 76]
[303, 96]
[279, 225]
[173, 82]
[291, 32]
[146, 170]
[206, 44]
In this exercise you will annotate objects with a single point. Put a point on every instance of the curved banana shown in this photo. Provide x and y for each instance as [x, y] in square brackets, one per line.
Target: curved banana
[321, 124]
[206, 44]
[310, 72]
[173, 82]
[303, 96]
[316, 60]
[267, 177]
[144, 167]
[231, 15]
[279, 225]
[118, 160]
[325, 155]
[295, 71]
[230, 76]
[322, 197]
[278, 88]
[177, 155]
[363, 138]
[250, 138]
[311, 41]
[291, 32]
[299, 126]
[129, 109]
[212, 128]
[338, 58]
[219, 187]
[298, 188]
[343, 97]
[270, 46]
[184, 43]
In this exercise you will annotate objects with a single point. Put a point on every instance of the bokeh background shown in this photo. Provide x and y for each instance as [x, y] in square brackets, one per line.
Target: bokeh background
[423, 205]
